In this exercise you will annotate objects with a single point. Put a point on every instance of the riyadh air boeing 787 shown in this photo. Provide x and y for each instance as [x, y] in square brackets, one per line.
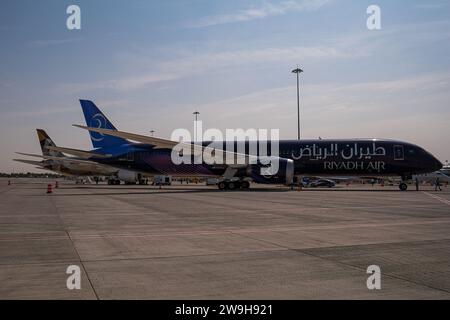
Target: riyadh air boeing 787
[296, 158]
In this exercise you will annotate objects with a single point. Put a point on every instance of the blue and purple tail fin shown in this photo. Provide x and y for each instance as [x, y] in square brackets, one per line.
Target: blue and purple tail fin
[96, 119]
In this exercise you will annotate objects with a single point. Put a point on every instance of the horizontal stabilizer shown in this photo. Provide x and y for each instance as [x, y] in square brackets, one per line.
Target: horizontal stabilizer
[35, 163]
[79, 153]
[80, 162]
[31, 154]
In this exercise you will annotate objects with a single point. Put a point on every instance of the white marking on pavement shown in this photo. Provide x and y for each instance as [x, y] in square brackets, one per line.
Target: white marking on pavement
[447, 202]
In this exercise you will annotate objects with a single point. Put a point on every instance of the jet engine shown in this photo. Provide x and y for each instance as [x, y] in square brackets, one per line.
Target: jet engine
[273, 170]
[128, 176]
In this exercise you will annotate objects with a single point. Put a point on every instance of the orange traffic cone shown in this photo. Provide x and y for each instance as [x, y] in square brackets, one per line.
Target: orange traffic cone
[56, 184]
[49, 188]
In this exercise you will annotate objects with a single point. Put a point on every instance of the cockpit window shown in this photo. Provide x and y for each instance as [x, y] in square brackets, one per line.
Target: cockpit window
[411, 151]
[398, 152]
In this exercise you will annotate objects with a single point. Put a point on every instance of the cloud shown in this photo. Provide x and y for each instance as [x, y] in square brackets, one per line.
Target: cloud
[122, 84]
[342, 110]
[46, 43]
[267, 9]
[431, 5]
[359, 44]
[199, 64]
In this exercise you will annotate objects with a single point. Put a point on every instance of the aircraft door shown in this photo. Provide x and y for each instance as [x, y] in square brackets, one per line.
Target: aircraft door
[130, 156]
[398, 153]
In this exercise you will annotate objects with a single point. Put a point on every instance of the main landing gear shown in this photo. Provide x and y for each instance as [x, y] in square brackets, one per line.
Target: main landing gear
[113, 181]
[233, 185]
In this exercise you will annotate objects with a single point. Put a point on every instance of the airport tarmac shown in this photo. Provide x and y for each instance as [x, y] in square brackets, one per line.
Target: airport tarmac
[196, 242]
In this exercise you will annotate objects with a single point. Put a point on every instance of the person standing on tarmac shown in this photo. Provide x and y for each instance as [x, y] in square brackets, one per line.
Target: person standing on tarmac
[417, 184]
[437, 185]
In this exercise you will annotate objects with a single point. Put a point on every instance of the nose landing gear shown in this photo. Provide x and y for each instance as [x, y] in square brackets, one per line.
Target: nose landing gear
[403, 186]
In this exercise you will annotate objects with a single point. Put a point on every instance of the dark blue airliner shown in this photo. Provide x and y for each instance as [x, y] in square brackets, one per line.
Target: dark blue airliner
[296, 158]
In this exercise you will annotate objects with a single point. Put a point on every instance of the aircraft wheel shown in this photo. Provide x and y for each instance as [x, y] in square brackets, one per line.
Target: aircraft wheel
[403, 186]
[222, 185]
[232, 185]
[245, 184]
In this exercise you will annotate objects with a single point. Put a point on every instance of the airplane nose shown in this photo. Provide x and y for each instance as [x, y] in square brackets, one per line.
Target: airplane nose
[435, 164]
[438, 164]
[429, 163]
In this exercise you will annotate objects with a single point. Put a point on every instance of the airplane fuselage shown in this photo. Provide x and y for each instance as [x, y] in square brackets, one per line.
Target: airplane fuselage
[360, 157]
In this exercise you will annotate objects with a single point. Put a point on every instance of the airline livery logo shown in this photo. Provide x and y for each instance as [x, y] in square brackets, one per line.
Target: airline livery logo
[97, 121]
[45, 143]
[41, 135]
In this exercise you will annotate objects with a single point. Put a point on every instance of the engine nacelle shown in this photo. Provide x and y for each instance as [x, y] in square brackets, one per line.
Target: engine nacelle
[128, 176]
[275, 170]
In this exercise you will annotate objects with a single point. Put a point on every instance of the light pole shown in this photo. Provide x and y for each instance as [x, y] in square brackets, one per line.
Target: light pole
[298, 71]
[195, 113]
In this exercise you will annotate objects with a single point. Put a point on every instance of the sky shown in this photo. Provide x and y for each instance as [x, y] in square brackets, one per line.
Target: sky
[150, 64]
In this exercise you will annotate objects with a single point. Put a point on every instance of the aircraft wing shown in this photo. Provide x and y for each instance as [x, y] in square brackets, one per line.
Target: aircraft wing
[159, 143]
[79, 153]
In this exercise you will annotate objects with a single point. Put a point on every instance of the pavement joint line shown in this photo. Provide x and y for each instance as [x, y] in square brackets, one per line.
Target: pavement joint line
[447, 202]
[351, 265]
[296, 203]
[7, 190]
[167, 195]
[364, 270]
[314, 207]
[186, 256]
[75, 248]
[318, 208]
[252, 230]
[241, 231]
[268, 242]
[40, 263]
[84, 268]
[281, 248]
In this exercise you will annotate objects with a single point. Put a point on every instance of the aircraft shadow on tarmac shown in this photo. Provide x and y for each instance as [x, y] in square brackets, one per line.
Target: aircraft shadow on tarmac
[133, 191]
[160, 191]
